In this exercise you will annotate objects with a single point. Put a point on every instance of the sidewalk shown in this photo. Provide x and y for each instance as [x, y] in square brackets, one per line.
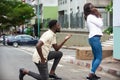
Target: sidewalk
[108, 65]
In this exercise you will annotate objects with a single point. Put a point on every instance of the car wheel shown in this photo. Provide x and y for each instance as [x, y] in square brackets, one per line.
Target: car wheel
[15, 44]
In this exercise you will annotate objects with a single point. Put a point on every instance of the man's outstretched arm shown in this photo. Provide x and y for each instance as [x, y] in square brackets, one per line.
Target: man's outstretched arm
[57, 47]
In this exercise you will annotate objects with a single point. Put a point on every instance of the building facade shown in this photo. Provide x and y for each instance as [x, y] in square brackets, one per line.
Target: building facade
[70, 12]
[116, 29]
[48, 9]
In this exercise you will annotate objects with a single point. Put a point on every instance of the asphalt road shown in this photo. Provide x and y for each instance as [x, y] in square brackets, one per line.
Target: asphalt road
[11, 59]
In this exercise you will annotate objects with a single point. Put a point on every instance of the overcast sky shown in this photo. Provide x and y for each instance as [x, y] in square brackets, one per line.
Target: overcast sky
[50, 2]
[45, 2]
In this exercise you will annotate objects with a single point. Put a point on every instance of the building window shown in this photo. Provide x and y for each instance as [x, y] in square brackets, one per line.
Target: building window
[60, 2]
[65, 1]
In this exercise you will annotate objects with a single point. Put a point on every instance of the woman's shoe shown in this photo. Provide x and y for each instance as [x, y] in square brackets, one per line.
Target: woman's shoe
[92, 77]
[97, 77]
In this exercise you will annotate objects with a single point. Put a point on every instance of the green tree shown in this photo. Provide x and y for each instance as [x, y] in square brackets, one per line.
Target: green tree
[109, 8]
[14, 13]
[20, 14]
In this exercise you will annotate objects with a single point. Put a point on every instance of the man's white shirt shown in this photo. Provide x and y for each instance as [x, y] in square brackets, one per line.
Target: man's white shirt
[48, 38]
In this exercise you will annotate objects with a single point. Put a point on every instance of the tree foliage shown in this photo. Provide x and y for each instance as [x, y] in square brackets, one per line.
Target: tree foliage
[14, 12]
[109, 8]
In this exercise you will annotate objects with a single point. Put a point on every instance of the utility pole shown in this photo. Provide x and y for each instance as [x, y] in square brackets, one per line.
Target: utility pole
[69, 22]
[38, 15]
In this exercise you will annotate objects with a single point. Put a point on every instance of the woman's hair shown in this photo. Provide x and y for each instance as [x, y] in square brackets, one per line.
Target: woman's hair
[95, 12]
[90, 9]
[52, 23]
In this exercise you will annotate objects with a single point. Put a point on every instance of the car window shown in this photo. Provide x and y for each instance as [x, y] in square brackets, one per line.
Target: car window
[18, 37]
[11, 37]
[24, 37]
[27, 37]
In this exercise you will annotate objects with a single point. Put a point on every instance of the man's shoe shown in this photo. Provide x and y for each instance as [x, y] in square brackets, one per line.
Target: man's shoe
[54, 76]
[21, 74]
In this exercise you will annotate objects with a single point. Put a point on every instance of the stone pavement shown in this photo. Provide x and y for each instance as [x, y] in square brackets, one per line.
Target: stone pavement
[108, 65]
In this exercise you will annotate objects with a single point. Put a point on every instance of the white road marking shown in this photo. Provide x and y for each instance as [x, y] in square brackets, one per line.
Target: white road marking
[25, 51]
[50, 62]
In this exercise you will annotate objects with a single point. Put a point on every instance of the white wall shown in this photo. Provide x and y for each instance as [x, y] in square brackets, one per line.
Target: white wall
[116, 13]
[75, 3]
[116, 29]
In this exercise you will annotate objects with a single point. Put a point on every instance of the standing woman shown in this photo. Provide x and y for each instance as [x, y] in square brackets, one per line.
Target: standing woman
[94, 24]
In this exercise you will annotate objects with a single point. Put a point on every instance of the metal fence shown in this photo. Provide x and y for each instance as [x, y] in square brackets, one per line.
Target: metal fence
[77, 20]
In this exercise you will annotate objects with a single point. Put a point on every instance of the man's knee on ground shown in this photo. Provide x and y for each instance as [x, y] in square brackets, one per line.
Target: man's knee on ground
[60, 54]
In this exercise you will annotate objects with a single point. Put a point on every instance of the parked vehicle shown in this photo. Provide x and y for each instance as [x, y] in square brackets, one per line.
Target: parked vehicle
[21, 40]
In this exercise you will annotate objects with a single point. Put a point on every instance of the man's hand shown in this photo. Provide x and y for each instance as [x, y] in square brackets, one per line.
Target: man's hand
[43, 60]
[67, 37]
[57, 47]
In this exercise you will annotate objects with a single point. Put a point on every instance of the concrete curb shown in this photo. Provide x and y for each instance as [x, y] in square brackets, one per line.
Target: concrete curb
[87, 64]
[102, 68]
